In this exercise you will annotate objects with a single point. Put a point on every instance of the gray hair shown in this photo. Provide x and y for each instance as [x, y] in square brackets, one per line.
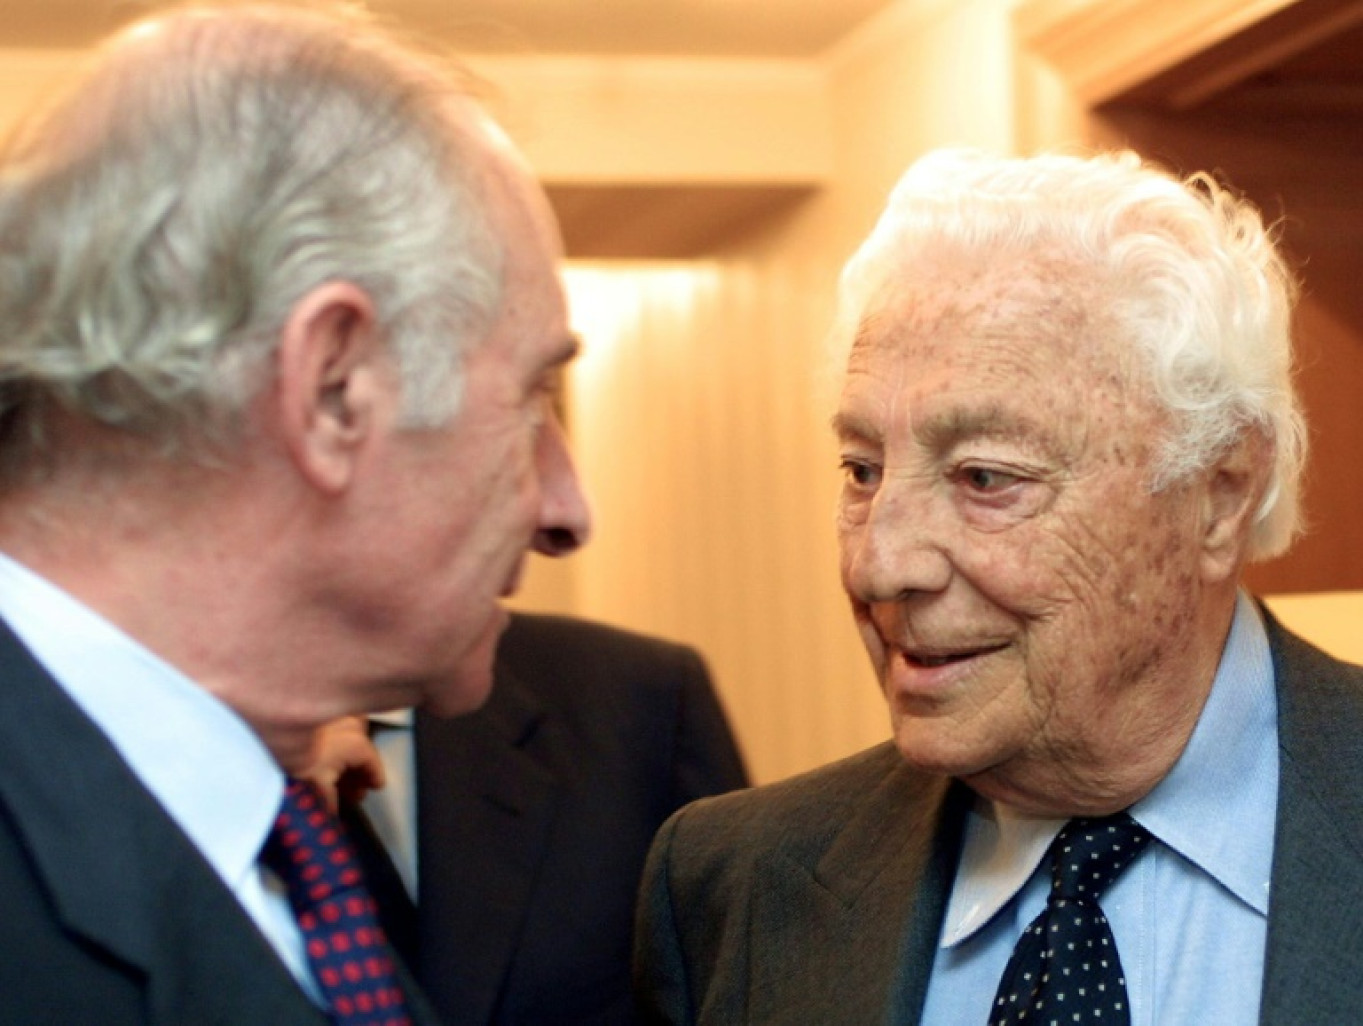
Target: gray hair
[158, 224]
[1189, 271]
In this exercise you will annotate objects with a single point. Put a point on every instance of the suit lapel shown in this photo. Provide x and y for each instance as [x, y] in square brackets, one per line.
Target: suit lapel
[485, 808]
[120, 873]
[838, 932]
[1314, 963]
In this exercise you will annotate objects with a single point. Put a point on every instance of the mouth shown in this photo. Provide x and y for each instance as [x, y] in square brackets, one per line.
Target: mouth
[933, 659]
[933, 675]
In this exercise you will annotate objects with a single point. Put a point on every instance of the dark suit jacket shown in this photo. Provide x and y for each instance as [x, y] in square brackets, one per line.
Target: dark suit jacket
[821, 899]
[111, 915]
[536, 813]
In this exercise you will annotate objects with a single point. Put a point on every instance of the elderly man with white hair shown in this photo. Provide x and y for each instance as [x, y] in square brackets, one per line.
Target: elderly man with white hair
[1117, 791]
[280, 323]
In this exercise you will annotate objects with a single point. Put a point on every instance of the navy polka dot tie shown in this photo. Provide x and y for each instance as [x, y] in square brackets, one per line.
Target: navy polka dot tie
[1065, 968]
[308, 850]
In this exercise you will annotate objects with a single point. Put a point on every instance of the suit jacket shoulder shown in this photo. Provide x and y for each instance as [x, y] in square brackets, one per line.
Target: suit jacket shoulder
[111, 914]
[1314, 966]
[652, 695]
[750, 901]
[802, 900]
[535, 816]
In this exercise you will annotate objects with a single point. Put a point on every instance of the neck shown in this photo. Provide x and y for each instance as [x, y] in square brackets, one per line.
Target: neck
[197, 568]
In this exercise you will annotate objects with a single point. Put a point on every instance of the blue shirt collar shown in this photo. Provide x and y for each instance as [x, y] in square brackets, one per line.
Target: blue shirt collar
[1229, 764]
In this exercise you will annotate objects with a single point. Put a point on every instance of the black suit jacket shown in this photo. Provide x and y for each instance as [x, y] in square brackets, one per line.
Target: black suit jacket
[820, 899]
[536, 813]
[111, 915]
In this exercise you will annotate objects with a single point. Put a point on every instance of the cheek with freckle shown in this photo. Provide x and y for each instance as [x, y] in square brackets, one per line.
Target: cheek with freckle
[1154, 585]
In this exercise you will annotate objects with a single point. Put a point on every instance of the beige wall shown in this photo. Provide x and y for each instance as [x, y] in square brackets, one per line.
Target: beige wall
[27, 76]
[703, 433]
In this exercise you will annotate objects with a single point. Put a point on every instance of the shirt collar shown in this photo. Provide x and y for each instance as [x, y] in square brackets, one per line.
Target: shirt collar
[399, 719]
[1002, 850]
[202, 762]
[1228, 773]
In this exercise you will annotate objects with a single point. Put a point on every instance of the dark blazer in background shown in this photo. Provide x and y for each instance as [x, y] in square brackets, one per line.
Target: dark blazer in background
[111, 915]
[821, 899]
[535, 815]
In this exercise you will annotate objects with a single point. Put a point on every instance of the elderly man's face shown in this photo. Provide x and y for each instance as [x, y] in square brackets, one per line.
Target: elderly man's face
[1024, 597]
[465, 503]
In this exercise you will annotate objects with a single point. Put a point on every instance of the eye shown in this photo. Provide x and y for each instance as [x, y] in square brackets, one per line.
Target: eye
[999, 494]
[988, 479]
[860, 474]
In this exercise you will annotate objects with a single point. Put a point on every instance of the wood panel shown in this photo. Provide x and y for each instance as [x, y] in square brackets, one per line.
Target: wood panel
[1271, 99]
[1301, 167]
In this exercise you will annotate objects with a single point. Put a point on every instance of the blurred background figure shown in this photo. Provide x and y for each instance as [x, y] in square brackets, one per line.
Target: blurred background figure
[507, 846]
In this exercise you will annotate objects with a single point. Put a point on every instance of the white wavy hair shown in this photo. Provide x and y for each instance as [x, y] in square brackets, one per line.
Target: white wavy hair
[158, 223]
[1188, 269]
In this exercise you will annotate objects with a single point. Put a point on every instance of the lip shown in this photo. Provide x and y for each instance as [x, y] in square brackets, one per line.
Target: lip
[928, 672]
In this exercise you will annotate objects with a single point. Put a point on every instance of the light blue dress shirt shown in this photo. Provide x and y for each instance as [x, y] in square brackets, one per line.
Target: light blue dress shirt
[200, 760]
[1190, 915]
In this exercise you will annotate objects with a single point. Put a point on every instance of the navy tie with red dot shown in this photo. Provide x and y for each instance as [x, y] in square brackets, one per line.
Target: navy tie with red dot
[1065, 968]
[349, 955]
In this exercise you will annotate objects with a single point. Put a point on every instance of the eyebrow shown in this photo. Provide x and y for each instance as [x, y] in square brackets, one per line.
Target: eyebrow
[988, 420]
[568, 351]
[555, 363]
[991, 421]
[941, 432]
[849, 425]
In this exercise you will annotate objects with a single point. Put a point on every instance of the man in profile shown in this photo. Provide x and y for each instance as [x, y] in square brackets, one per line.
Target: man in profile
[1118, 791]
[279, 320]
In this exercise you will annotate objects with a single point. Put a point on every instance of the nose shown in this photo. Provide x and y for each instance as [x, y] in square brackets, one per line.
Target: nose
[895, 548]
[565, 520]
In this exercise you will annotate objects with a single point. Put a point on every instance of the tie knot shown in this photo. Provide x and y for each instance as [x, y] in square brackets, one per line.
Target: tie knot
[307, 848]
[1090, 854]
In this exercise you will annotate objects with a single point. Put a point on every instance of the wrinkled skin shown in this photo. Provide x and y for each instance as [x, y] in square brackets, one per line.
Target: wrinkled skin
[1043, 626]
[455, 509]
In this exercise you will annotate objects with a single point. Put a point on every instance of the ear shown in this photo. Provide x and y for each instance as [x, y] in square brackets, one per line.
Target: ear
[333, 383]
[1235, 486]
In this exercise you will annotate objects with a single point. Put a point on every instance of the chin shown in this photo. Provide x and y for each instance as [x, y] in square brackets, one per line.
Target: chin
[465, 687]
[463, 691]
[927, 750]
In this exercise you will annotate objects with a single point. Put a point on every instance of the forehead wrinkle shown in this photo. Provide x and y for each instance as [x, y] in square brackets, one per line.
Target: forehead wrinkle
[878, 332]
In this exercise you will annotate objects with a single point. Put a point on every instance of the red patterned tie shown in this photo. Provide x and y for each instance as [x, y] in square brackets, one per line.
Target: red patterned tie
[349, 955]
